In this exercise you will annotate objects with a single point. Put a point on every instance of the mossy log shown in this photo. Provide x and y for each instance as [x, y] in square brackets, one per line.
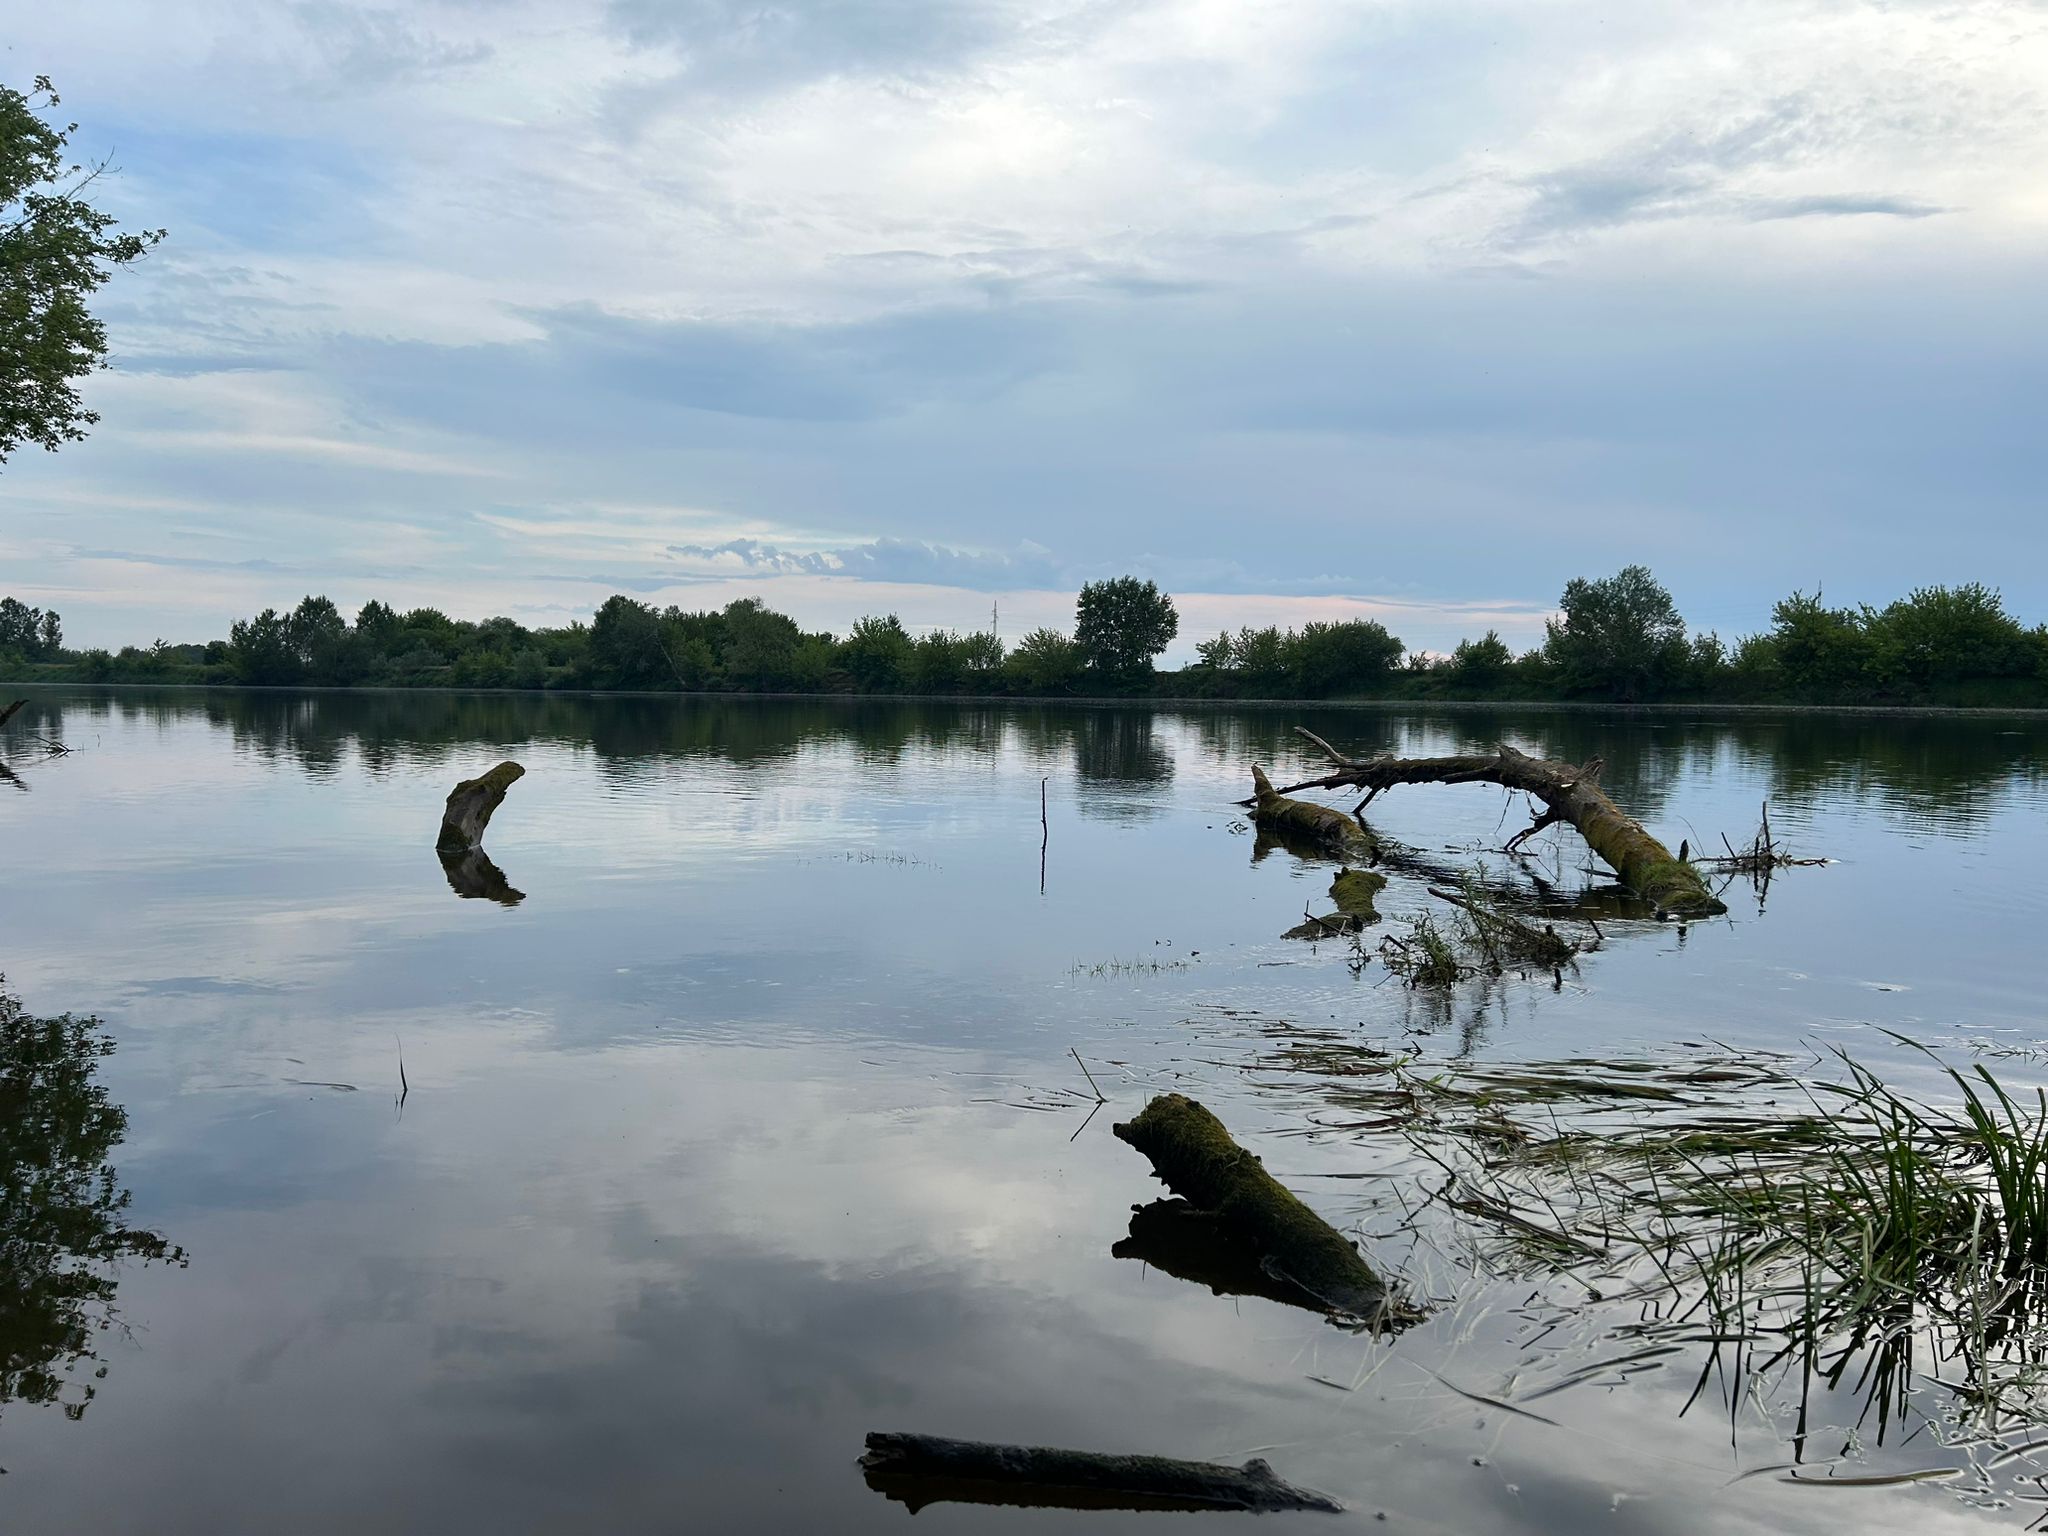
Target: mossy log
[471, 804]
[928, 1469]
[1193, 1153]
[1330, 830]
[1353, 890]
[1570, 792]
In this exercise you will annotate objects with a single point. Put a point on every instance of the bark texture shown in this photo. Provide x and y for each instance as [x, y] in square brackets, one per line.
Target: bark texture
[928, 1469]
[470, 805]
[1193, 1153]
[1569, 792]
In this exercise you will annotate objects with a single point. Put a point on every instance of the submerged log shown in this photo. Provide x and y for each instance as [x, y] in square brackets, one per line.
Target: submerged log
[470, 805]
[1193, 1153]
[927, 1469]
[1329, 830]
[1570, 792]
[1353, 890]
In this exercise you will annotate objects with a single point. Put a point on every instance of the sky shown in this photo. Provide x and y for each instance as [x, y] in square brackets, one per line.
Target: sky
[1402, 309]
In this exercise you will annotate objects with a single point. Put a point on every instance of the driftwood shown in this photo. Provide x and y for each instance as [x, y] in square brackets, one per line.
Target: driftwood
[1193, 1153]
[1570, 792]
[470, 805]
[926, 1469]
[8, 713]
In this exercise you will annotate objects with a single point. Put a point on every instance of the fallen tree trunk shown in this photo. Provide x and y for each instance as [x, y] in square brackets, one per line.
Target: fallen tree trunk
[7, 714]
[1193, 1153]
[1330, 830]
[927, 1469]
[471, 804]
[1570, 792]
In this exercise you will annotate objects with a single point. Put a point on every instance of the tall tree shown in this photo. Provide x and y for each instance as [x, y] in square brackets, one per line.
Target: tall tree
[56, 251]
[1121, 625]
[1620, 634]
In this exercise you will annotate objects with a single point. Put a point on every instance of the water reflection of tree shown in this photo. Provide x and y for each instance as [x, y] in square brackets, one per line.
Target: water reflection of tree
[1923, 766]
[62, 1239]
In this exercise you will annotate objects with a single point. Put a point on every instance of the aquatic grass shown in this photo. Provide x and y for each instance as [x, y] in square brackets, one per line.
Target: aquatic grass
[1797, 1226]
[1120, 967]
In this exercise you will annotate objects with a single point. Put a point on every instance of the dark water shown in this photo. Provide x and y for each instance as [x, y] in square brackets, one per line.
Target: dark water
[753, 1126]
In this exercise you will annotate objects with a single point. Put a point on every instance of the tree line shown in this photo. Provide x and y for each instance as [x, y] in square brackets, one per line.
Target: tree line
[1618, 638]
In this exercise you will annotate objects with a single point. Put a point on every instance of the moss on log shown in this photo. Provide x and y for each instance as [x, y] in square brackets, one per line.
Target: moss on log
[1354, 891]
[1190, 1150]
[1328, 829]
[1569, 792]
[471, 804]
[928, 1469]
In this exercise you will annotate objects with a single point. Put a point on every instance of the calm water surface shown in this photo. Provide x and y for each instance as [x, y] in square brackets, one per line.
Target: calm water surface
[754, 1126]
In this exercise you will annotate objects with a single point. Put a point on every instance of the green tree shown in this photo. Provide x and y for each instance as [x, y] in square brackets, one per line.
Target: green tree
[1121, 625]
[983, 653]
[761, 646]
[1821, 650]
[56, 251]
[261, 652]
[1939, 635]
[1619, 635]
[1481, 665]
[377, 626]
[876, 653]
[625, 646]
[1045, 661]
[30, 633]
[1352, 656]
[938, 662]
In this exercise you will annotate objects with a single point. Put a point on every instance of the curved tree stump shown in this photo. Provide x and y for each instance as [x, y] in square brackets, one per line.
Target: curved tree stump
[1570, 792]
[929, 1469]
[1193, 1153]
[470, 805]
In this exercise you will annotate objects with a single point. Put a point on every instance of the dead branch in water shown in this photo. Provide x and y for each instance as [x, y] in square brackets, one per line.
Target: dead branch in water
[1570, 792]
[1763, 854]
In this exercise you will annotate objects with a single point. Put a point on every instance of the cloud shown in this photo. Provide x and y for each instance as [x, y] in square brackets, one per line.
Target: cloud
[723, 46]
[1845, 206]
[889, 560]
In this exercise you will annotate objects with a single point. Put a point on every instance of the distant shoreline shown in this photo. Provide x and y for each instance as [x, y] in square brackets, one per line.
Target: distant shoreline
[1093, 701]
